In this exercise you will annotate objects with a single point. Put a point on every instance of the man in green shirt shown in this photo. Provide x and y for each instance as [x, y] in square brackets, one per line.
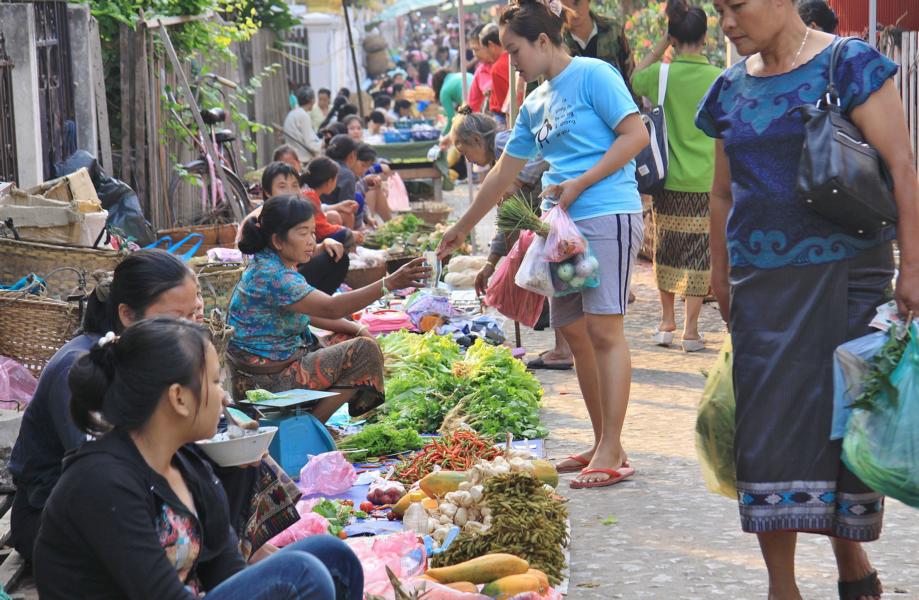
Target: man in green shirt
[595, 36]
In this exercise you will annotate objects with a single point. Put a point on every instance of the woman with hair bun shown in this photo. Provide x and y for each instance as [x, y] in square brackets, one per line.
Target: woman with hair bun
[682, 264]
[137, 512]
[273, 306]
[817, 14]
[146, 284]
[583, 122]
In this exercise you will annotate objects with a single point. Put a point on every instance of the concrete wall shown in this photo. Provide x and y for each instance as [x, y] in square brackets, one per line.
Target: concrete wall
[17, 22]
[83, 67]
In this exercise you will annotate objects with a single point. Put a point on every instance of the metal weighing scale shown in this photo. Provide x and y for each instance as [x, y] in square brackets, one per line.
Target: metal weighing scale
[300, 434]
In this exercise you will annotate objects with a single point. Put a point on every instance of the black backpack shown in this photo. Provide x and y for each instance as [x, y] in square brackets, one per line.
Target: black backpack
[651, 162]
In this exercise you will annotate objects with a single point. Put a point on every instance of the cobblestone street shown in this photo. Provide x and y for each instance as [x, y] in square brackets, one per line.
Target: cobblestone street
[672, 538]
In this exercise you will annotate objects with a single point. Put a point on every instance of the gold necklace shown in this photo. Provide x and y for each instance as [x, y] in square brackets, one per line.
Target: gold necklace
[798, 53]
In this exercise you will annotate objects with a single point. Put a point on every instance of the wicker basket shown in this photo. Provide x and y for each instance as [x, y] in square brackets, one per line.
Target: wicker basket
[358, 278]
[215, 236]
[18, 259]
[396, 262]
[431, 213]
[217, 285]
[32, 329]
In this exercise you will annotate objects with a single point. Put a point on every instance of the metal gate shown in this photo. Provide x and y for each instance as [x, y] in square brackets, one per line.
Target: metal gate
[55, 82]
[296, 59]
[8, 161]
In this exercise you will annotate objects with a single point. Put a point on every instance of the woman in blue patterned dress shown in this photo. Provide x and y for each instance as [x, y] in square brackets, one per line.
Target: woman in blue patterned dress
[794, 286]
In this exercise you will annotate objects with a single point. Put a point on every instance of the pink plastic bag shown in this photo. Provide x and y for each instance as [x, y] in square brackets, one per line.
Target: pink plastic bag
[401, 552]
[564, 239]
[328, 474]
[398, 195]
[386, 321]
[310, 524]
[507, 297]
[17, 385]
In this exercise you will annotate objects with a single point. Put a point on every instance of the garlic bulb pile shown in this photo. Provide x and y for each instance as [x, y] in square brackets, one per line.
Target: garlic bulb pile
[464, 508]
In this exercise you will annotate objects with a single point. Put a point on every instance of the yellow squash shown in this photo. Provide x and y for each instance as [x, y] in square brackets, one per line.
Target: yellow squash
[508, 587]
[482, 569]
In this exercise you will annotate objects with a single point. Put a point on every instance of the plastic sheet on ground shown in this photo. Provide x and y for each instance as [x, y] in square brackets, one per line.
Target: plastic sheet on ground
[327, 474]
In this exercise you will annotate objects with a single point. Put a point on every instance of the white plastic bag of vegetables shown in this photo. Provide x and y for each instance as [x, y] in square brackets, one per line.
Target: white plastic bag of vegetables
[715, 426]
[576, 273]
[534, 274]
[880, 445]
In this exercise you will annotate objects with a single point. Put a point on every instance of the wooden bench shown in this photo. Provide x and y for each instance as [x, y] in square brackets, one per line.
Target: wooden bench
[13, 577]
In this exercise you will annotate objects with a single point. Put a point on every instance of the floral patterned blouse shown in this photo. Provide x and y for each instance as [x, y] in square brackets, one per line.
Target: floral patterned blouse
[264, 325]
[768, 227]
[179, 537]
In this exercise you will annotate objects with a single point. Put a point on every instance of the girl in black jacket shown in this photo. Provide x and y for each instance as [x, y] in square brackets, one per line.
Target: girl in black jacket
[136, 515]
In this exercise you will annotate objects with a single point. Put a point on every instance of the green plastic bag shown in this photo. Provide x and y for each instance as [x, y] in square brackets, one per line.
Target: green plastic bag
[715, 426]
[881, 445]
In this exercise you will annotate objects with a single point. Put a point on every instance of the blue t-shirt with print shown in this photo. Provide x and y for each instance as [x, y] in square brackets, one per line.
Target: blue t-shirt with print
[768, 226]
[570, 120]
[264, 325]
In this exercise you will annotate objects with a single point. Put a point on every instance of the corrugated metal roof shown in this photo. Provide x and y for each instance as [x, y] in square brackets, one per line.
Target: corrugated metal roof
[853, 14]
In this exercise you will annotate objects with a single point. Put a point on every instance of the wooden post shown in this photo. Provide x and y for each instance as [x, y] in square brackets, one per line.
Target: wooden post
[138, 118]
[105, 139]
[357, 73]
[126, 84]
[209, 145]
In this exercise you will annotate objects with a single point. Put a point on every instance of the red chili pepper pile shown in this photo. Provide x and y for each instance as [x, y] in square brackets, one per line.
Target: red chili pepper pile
[457, 451]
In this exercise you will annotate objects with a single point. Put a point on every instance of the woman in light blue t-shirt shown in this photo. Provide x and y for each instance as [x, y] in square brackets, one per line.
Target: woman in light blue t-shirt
[584, 123]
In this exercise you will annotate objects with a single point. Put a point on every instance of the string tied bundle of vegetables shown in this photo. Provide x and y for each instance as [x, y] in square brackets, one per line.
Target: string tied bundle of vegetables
[516, 214]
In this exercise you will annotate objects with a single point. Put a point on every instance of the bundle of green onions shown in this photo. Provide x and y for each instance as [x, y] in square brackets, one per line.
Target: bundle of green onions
[516, 214]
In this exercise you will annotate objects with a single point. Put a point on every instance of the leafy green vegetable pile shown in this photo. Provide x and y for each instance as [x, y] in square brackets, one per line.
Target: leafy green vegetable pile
[259, 395]
[380, 439]
[877, 383]
[430, 386]
[337, 514]
[395, 230]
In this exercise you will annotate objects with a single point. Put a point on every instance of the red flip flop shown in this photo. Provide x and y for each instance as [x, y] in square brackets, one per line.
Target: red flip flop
[615, 476]
[583, 462]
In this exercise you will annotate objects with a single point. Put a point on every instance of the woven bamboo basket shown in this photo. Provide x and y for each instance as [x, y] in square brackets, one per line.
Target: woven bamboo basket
[217, 285]
[431, 213]
[18, 259]
[221, 334]
[221, 235]
[32, 328]
[358, 278]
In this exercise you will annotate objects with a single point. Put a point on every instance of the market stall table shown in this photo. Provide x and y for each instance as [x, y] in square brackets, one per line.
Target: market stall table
[410, 160]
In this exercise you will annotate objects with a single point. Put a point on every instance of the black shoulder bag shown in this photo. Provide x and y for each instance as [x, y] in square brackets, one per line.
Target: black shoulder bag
[841, 177]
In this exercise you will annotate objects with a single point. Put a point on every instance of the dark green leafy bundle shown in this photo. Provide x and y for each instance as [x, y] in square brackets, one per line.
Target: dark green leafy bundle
[380, 440]
[877, 383]
[527, 521]
[516, 214]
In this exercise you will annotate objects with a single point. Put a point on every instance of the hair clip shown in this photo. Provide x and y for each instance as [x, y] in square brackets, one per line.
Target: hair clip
[107, 339]
[554, 6]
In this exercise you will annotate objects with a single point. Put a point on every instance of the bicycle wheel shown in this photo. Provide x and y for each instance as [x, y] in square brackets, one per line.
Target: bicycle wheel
[190, 197]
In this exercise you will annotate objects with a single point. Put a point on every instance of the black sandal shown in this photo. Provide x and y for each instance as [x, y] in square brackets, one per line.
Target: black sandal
[869, 585]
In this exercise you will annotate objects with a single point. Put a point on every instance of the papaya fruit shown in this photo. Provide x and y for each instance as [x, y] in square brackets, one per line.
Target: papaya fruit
[402, 505]
[508, 587]
[483, 569]
[543, 580]
[545, 472]
[440, 483]
[464, 586]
